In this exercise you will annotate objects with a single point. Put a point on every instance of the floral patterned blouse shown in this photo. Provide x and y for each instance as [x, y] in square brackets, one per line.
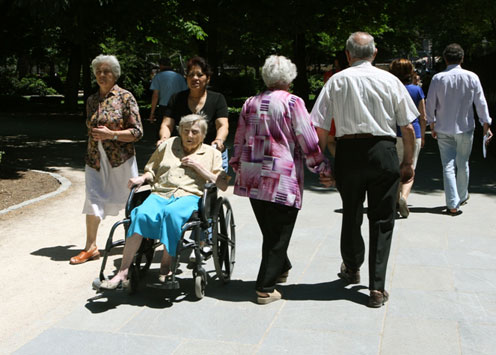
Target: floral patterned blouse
[273, 137]
[117, 111]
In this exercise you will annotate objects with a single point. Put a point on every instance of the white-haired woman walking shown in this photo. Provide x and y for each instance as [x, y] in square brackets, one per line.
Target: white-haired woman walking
[114, 124]
[273, 137]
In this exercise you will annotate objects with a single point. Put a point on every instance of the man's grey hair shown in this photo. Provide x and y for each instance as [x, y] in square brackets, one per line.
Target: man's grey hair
[278, 70]
[358, 50]
[453, 53]
[190, 120]
[111, 60]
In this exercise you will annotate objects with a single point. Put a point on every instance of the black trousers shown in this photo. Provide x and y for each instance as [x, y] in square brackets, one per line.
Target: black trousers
[276, 223]
[367, 166]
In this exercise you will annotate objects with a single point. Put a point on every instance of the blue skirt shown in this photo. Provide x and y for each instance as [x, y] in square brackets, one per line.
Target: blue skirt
[161, 218]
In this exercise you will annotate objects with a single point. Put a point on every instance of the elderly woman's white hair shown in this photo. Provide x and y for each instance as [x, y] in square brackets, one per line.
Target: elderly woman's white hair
[190, 120]
[111, 60]
[278, 71]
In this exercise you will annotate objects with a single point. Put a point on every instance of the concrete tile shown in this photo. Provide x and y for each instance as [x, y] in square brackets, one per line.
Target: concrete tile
[422, 257]
[240, 322]
[107, 316]
[423, 278]
[471, 258]
[421, 237]
[316, 342]
[205, 347]
[436, 305]
[341, 314]
[488, 303]
[475, 280]
[420, 336]
[66, 341]
[474, 240]
[477, 339]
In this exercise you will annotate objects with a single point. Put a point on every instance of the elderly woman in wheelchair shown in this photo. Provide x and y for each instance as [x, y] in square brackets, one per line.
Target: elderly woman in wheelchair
[177, 172]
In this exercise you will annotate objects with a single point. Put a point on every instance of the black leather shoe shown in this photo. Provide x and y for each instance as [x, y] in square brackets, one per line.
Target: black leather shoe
[378, 298]
[346, 274]
[454, 213]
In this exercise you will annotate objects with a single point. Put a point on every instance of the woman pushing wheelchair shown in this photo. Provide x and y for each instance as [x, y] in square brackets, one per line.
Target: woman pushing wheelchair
[177, 172]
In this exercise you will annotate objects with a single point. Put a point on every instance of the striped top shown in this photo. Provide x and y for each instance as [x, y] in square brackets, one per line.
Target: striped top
[364, 99]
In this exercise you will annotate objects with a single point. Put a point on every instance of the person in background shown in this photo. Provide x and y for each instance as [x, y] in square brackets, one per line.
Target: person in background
[273, 136]
[403, 70]
[197, 99]
[450, 100]
[114, 124]
[164, 84]
[339, 64]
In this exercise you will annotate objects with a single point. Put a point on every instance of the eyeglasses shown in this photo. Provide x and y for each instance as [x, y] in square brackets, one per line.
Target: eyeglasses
[104, 72]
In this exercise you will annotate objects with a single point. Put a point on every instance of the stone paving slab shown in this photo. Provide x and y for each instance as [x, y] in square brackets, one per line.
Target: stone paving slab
[443, 298]
[441, 277]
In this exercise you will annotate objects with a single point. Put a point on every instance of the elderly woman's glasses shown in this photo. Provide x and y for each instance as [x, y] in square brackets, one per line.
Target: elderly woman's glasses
[104, 72]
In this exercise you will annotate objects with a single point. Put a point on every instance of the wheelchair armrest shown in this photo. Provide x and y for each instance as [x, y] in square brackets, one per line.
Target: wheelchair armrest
[207, 202]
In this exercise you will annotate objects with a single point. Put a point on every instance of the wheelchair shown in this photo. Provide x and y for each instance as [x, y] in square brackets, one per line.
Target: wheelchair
[211, 226]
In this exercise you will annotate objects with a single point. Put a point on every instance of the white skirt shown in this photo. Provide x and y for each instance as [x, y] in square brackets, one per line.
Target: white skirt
[106, 190]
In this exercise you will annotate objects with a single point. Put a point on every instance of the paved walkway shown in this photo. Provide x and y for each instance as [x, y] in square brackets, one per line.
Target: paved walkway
[441, 277]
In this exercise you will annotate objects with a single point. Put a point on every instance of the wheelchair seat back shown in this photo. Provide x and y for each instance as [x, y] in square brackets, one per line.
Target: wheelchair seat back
[136, 198]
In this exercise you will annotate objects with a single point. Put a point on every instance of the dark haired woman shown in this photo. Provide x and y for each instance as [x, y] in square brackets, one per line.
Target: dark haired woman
[198, 100]
[403, 70]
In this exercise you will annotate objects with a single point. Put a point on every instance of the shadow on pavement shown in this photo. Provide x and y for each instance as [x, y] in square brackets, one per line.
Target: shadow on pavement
[65, 252]
[244, 291]
[145, 296]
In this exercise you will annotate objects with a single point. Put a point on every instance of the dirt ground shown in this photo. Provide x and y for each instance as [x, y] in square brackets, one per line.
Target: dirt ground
[24, 185]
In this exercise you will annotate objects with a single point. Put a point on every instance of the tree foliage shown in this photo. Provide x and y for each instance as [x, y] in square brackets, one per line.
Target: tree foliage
[64, 35]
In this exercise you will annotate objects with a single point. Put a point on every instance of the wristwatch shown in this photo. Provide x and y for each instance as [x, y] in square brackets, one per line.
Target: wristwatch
[115, 137]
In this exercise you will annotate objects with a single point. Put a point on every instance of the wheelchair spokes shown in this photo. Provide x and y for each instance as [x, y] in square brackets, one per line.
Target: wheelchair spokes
[223, 240]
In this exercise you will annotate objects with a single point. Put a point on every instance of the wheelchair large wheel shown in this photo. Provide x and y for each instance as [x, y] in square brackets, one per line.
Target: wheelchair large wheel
[223, 239]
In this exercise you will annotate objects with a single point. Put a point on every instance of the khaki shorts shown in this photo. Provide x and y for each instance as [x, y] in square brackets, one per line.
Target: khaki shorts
[399, 148]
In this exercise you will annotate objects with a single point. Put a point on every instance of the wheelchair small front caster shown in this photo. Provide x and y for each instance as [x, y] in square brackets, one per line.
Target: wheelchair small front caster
[200, 278]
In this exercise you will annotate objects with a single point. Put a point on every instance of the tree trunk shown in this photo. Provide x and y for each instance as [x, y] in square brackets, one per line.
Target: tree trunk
[86, 63]
[301, 87]
[73, 77]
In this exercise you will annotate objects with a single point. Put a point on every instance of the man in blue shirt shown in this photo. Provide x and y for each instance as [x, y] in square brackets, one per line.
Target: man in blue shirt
[165, 84]
[452, 94]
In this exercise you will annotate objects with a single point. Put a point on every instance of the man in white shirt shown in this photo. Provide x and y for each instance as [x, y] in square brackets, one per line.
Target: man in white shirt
[366, 104]
[452, 93]
[165, 84]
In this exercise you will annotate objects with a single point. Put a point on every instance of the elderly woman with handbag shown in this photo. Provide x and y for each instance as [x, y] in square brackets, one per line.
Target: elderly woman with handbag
[114, 124]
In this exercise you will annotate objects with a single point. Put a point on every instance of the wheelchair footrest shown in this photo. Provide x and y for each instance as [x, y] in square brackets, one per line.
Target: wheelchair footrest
[167, 285]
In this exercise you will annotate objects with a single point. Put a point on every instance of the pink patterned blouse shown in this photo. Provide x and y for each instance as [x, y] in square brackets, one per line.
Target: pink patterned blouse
[274, 135]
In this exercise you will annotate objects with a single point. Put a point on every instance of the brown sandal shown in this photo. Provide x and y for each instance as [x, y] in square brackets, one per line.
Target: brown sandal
[84, 256]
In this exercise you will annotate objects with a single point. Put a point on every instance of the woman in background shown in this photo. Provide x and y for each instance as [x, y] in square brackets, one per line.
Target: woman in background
[403, 69]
